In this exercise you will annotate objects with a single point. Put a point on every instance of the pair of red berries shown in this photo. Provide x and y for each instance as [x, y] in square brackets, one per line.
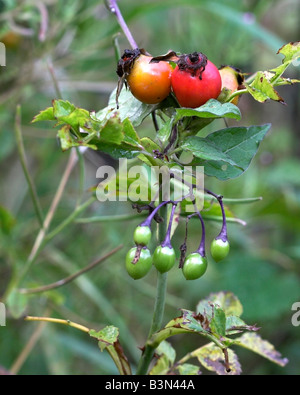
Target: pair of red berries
[194, 80]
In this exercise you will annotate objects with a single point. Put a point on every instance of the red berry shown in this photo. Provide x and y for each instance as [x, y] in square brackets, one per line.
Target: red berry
[195, 80]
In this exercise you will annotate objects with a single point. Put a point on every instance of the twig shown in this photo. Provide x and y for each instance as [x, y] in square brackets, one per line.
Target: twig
[44, 20]
[68, 279]
[42, 233]
[59, 321]
[113, 7]
[54, 80]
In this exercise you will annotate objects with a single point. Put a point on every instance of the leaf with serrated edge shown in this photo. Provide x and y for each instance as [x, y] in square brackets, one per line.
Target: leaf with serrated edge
[253, 342]
[290, 51]
[262, 89]
[108, 335]
[108, 338]
[45, 115]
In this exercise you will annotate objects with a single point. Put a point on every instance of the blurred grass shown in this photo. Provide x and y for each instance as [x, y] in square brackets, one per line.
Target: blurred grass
[263, 267]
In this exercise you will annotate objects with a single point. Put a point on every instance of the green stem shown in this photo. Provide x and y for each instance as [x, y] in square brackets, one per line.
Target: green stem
[237, 201]
[159, 306]
[110, 218]
[21, 151]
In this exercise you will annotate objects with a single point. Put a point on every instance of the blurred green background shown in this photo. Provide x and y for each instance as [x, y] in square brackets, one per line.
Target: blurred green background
[75, 39]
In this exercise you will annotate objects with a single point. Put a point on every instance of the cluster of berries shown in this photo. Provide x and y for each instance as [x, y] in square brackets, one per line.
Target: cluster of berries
[139, 259]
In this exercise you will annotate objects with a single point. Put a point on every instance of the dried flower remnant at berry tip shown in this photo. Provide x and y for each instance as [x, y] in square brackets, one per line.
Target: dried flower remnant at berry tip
[195, 63]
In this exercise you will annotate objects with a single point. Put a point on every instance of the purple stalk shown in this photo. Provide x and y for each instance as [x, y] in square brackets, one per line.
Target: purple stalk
[149, 219]
[113, 6]
[201, 248]
[223, 233]
[167, 241]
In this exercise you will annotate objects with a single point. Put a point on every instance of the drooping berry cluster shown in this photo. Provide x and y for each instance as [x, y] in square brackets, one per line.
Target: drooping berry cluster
[139, 259]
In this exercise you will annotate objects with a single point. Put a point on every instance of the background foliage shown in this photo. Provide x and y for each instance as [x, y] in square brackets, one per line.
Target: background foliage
[263, 266]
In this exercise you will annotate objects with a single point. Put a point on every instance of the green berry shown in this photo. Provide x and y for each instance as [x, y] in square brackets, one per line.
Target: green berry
[194, 266]
[142, 235]
[219, 249]
[164, 258]
[142, 266]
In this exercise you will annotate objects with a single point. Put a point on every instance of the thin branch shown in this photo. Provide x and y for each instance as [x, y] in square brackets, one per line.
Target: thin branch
[44, 21]
[59, 321]
[42, 233]
[72, 277]
[114, 9]
[54, 80]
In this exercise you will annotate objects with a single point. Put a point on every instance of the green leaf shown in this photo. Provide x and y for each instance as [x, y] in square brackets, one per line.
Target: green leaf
[166, 359]
[67, 140]
[194, 322]
[62, 108]
[166, 349]
[226, 300]
[129, 107]
[150, 146]
[213, 359]
[65, 112]
[262, 89]
[108, 338]
[238, 143]
[45, 115]
[118, 139]
[290, 52]
[212, 318]
[165, 131]
[218, 322]
[253, 342]
[206, 150]
[130, 135]
[211, 109]
[187, 369]
[111, 132]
